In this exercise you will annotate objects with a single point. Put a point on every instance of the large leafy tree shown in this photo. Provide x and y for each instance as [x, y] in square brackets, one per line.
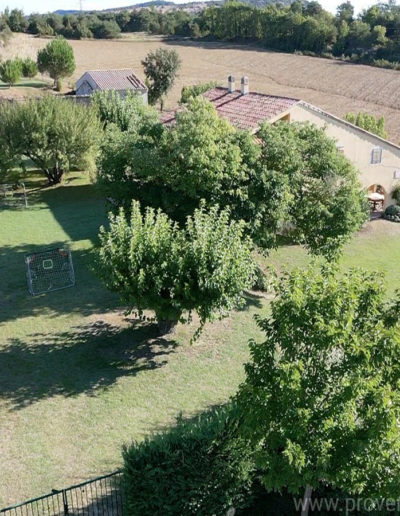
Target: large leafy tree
[56, 134]
[160, 67]
[57, 59]
[292, 180]
[327, 204]
[153, 264]
[321, 401]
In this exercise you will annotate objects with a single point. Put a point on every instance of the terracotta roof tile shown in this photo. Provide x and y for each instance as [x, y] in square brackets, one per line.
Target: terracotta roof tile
[243, 111]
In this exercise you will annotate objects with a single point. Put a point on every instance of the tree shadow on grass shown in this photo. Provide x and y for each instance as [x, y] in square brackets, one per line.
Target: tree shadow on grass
[79, 209]
[88, 296]
[83, 360]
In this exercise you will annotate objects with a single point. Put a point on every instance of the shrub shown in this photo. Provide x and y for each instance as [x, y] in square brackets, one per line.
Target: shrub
[128, 112]
[29, 68]
[193, 91]
[396, 193]
[11, 71]
[392, 213]
[199, 467]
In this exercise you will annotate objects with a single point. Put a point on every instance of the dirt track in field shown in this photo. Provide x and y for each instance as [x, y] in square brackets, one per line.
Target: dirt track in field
[332, 85]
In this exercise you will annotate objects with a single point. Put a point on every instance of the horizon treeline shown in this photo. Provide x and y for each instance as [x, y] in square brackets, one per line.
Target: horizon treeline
[372, 37]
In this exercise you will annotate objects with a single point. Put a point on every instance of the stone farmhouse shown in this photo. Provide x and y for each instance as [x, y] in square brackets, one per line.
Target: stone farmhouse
[103, 80]
[377, 159]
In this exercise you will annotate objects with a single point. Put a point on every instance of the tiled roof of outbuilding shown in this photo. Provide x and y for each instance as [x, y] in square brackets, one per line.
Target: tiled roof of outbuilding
[116, 79]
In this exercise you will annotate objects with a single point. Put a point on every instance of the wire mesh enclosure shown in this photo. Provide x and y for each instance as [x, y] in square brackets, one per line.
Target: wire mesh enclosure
[13, 195]
[49, 270]
[101, 496]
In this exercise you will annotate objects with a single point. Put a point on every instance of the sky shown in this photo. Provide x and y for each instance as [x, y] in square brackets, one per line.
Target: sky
[44, 6]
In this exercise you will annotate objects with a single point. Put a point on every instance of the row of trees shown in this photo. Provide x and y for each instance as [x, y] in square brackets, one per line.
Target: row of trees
[373, 36]
[368, 122]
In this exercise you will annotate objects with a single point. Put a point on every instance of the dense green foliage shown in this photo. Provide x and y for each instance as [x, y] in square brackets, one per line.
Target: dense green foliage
[197, 89]
[392, 213]
[198, 467]
[11, 71]
[55, 134]
[57, 59]
[321, 201]
[295, 183]
[153, 264]
[368, 122]
[126, 112]
[395, 193]
[160, 67]
[29, 68]
[372, 36]
[321, 400]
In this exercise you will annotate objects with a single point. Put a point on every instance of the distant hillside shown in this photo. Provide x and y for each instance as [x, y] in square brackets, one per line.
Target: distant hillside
[171, 4]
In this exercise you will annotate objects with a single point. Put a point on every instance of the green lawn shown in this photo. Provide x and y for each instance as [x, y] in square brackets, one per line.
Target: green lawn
[77, 379]
[27, 83]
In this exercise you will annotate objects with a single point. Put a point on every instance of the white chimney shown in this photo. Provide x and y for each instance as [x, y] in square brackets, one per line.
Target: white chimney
[231, 84]
[245, 85]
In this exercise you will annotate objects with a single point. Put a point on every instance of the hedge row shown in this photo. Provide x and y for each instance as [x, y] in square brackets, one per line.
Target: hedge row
[199, 467]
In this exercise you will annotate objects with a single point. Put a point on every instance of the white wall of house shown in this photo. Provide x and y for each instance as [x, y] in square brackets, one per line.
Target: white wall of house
[358, 146]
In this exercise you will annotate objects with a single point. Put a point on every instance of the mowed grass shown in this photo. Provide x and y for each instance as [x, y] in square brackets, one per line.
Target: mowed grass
[335, 86]
[78, 379]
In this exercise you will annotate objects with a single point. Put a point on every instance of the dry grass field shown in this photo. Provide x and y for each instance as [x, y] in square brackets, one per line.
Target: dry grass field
[333, 85]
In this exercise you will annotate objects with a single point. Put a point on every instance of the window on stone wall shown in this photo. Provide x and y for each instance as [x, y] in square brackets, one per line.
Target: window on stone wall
[376, 156]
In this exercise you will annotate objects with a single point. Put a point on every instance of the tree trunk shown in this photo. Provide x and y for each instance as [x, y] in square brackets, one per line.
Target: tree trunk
[306, 501]
[55, 175]
[166, 326]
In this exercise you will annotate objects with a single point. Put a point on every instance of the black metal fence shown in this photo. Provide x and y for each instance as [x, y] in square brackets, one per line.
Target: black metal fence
[99, 497]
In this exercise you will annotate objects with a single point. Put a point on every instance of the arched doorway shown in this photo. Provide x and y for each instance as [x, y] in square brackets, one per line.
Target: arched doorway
[376, 196]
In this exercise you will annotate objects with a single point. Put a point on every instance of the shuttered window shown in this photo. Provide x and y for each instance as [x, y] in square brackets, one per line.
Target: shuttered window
[376, 156]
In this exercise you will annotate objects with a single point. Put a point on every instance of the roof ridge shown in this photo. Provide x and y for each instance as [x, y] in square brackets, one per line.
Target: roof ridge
[256, 93]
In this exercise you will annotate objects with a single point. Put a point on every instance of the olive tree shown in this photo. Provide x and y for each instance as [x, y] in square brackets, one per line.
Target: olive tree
[57, 59]
[160, 67]
[55, 134]
[321, 400]
[155, 265]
